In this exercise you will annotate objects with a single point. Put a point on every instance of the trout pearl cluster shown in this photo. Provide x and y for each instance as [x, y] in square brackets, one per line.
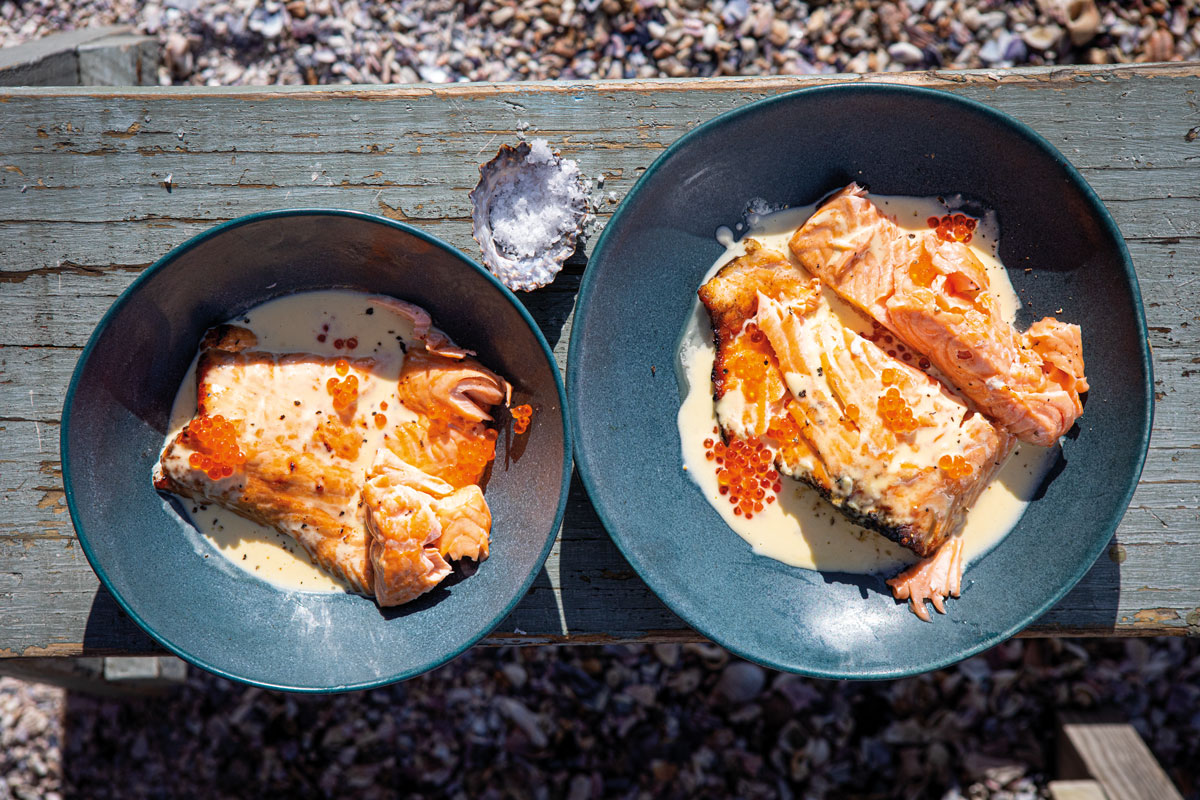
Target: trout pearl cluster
[955, 467]
[345, 391]
[521, 416]
[953, 227]
[745, 474]
[214, 440]
[896, 413]
[473, 452]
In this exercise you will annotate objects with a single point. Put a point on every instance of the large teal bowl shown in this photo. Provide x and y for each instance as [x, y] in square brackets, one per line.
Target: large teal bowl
[638, 291]
[175, 585]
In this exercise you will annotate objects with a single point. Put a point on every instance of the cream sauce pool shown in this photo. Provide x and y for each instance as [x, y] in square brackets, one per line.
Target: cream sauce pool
[309, 322]
[802, 529]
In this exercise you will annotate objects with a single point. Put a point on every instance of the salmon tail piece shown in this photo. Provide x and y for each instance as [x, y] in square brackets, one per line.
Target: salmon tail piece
[932, 579]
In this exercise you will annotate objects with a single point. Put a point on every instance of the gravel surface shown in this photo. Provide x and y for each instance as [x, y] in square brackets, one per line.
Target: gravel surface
[614, 722]
[223, 42]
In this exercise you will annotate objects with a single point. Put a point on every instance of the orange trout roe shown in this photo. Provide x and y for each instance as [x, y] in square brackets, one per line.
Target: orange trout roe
[745, 474]
[751, 365]
[345, 392]
[953, 227]
[955, 467]
[214, 440]
[895, 412]
[472, 455]
[380, 420]
[521, 416]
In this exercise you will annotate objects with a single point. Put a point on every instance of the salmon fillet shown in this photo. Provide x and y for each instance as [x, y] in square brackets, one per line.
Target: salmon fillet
[932, 294]
[383, 521]
[890, 447]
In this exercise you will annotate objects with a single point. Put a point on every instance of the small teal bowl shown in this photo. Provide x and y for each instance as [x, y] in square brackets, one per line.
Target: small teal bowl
[637, 294]
[177, 586]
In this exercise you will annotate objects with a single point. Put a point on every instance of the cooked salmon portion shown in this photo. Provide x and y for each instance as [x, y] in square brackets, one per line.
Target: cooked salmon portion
[415, 520]
[891, 448]
[380, 500]
[450, 438]
[933, 295]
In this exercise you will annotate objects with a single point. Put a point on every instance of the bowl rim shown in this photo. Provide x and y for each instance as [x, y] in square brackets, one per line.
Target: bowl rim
[162, 263]
[591, 477]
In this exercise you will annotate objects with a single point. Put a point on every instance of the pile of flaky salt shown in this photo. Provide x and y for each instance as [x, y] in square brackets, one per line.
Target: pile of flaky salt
[528, 209]
[532, 212]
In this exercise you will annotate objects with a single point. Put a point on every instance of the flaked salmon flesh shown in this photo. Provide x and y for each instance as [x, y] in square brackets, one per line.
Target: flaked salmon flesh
[893, 449]
[933, 295]
[386, 521]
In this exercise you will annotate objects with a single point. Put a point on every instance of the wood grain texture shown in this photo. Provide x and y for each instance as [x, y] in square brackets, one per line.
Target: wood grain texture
[1075, 790]
[85, 207]
[1108, 750]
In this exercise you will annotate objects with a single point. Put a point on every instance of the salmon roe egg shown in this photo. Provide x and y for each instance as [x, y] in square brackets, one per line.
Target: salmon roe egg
[746, 477]
[896, 413]
[953, 227]
[472, 456]
[521, 415]
[955, 467]
[922, 272]
[214, 442]
[344, 392]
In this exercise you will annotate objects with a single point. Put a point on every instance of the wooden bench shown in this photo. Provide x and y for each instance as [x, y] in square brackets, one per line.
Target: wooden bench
[95, 184]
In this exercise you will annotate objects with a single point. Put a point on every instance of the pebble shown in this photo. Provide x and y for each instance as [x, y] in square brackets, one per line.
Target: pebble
[906, 53]
[517, 713]
[1082, 19]
[1043, 37]
[178, 56]
[741, 682]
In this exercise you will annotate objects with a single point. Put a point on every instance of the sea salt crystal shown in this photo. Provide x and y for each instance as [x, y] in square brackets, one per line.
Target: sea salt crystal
[534, 210]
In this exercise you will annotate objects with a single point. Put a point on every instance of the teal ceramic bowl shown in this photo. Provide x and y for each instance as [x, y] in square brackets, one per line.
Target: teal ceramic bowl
[638, 291]
[154, 563]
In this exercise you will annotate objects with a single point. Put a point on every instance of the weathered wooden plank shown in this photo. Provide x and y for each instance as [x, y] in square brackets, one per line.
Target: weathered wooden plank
[359, 117]
[60, 304]
[51, 60]
[1109, 750]
[95, 212]
[1075, 790]
[128, 60]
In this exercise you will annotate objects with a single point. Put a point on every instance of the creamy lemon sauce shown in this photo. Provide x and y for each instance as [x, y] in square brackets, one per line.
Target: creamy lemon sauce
[802, 529]
[317, 323]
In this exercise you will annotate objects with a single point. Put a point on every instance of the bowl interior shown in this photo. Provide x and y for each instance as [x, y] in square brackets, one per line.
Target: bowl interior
[180, 588]
[638, 291]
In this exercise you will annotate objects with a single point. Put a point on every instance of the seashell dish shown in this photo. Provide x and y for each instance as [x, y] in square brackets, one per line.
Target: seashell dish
[527, 212]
